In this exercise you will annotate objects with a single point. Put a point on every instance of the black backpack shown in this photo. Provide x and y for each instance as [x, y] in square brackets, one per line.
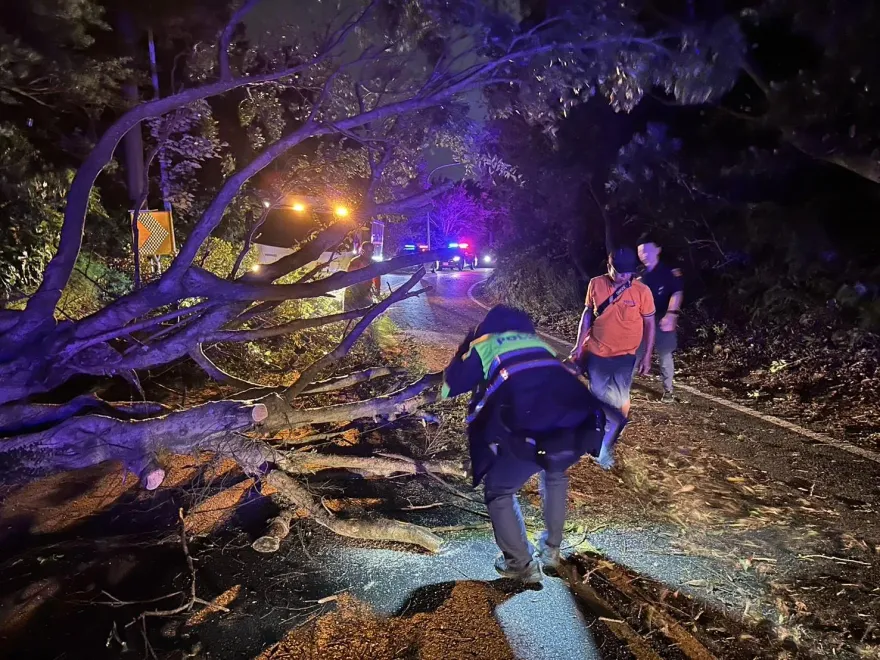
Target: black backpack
[556, 450]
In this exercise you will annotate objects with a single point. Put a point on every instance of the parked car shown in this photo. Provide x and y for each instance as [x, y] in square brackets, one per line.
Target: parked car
[460, 255]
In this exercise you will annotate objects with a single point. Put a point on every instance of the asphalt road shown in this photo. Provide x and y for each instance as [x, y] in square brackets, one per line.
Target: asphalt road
[845, 486]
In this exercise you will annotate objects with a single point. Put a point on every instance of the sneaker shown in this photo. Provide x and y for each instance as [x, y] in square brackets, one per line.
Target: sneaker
[549, 556]
[531, 574]
[668, 397]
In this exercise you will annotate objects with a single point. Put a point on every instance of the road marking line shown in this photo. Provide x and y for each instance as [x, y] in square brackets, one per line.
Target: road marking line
[789, 426]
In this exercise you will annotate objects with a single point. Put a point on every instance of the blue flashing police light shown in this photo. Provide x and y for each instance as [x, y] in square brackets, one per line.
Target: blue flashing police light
[453, 245]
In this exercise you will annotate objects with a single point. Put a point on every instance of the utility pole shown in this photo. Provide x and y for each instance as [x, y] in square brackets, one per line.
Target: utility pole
[133, 141]
[154, 72]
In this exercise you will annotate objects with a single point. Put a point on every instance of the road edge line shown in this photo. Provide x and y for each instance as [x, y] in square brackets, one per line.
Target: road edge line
[776, 421]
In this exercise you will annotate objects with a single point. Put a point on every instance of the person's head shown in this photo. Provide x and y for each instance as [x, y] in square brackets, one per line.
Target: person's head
[367, 249]
[622, 265]
[649, 254]
[502, 318]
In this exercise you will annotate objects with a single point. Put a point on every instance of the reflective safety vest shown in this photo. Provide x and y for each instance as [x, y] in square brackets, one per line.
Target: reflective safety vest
[503, 355]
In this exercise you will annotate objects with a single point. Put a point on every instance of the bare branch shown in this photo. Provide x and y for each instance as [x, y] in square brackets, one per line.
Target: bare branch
[290, 493]
[301, 462]
[117, 333]
[199, 282]
[402, 402]
[310, 373]
[248, 242]
[226, 37]
[215, 372]
[349, 380]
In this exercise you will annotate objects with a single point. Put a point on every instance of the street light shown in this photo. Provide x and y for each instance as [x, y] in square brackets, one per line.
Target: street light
[341, 211]
[299, 208]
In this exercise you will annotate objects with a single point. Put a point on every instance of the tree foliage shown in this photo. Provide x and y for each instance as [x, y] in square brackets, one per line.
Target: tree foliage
[348, 109]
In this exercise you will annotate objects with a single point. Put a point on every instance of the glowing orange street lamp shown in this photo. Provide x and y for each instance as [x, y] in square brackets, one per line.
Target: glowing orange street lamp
[299, 208]
[341, 211]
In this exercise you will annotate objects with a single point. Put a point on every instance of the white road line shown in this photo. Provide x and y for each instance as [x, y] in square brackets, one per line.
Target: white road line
[789, 426]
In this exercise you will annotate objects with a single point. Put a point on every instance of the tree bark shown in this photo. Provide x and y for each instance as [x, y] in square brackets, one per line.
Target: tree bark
[349, 380]
[279, 528]
[291, 494]
[23, 417]
[312, 462]
[85, 441]
[281, 415]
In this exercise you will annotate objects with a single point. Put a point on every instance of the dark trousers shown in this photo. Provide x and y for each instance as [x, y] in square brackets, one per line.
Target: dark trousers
[502, 483]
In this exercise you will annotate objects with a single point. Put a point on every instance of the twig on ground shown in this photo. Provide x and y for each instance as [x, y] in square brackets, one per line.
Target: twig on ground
[842, 560]
[460, 528]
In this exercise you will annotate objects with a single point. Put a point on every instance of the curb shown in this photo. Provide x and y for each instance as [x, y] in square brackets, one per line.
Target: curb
[776, 421]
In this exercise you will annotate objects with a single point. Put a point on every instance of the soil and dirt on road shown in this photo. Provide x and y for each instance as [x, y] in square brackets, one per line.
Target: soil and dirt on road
[715, 535]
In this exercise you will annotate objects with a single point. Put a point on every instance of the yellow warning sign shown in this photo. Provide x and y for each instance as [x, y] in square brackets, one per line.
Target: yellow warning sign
[155, 233]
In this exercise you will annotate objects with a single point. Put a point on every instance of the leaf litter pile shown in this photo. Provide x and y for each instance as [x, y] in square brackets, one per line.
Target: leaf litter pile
[792, 572]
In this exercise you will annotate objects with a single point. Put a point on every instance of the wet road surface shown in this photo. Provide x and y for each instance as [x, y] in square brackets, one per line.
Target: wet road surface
[845, 486]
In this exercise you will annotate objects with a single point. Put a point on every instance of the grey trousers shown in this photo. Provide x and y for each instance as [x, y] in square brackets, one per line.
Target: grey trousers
[502, 483]
[665, 346]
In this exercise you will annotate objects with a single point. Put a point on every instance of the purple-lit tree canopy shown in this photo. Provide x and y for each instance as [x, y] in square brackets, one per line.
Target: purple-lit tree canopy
[351, 106]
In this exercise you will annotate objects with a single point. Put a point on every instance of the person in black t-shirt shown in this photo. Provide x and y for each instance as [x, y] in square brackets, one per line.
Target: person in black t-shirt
[666, 286]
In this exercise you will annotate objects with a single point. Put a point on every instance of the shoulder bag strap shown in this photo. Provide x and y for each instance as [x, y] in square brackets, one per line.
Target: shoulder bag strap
[613, 298]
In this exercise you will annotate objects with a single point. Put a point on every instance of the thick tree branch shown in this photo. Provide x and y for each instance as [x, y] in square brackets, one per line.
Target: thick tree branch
[290, 493]
[413, 202]
[19, 418]
[294, 326]
[199, 282]
[307, 462]
[92, 439]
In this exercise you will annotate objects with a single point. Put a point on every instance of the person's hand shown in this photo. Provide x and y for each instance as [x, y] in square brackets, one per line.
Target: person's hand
[668, 322]
[576, 353]
[645, 365]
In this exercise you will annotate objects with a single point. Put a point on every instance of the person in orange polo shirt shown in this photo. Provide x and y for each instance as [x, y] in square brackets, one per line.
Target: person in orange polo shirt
[618, 313]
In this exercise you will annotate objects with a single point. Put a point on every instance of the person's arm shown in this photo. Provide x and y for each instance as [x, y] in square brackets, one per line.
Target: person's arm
[584, 326]
[670, 321]
[649, 328]
[464, 372]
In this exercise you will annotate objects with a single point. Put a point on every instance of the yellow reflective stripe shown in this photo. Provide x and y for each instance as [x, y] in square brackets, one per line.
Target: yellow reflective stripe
[476, 341]
[506, 342]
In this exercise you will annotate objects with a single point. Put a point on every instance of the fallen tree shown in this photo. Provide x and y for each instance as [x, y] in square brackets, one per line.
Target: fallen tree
[352, 83]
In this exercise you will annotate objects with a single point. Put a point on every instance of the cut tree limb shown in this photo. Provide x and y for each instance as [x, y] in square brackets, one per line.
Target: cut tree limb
[290, 493]
[279, 529]
[311, 462]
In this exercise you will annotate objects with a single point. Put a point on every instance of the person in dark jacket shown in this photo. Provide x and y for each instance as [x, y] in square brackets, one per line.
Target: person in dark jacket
[528, 413]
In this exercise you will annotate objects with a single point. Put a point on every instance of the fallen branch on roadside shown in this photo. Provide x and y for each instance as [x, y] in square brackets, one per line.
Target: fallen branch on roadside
[290, 494]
